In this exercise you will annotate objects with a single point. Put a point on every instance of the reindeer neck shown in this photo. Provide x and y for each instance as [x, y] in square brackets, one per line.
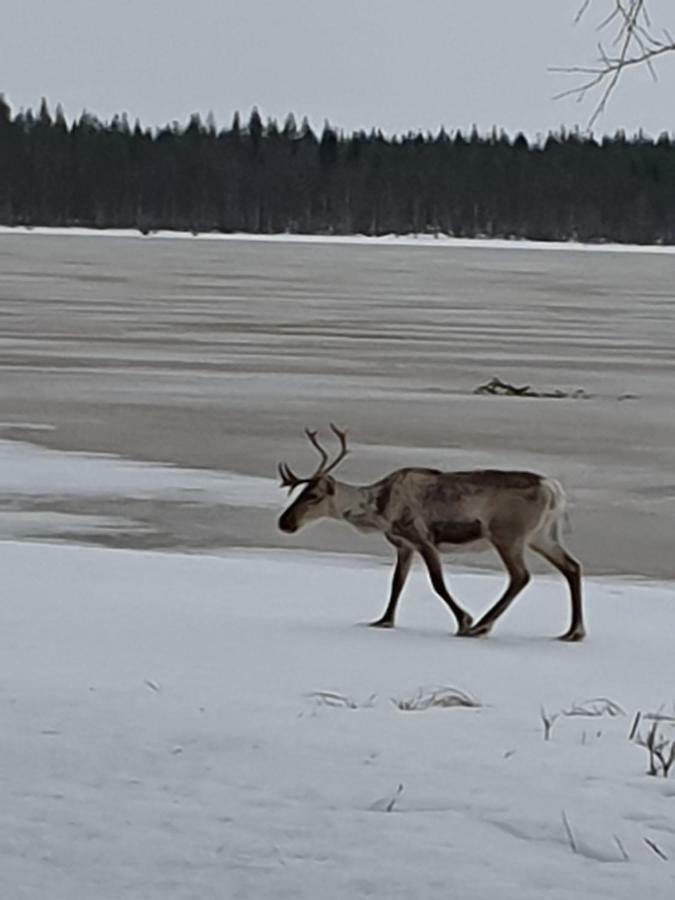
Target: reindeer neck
[354, 504]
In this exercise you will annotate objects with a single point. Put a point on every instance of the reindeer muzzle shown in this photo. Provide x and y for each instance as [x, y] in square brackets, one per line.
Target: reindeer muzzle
[287, 523]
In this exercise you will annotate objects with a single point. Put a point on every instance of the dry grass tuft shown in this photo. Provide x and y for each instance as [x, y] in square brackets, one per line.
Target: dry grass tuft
[435, 697]
[331, 698]
[660, 750]
[598, 706]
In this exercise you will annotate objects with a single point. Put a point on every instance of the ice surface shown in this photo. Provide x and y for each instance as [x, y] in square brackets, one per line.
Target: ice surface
[212, 356]
[28, 470]
[43, 523]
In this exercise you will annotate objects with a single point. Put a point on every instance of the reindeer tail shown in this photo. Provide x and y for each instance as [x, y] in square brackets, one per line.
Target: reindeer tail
[558, 506]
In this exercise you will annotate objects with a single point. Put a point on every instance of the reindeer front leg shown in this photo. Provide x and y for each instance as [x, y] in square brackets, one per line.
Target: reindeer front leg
[404, 555]
[433, 563]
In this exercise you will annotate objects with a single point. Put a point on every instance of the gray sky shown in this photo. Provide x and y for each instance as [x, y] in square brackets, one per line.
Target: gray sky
[395, 64]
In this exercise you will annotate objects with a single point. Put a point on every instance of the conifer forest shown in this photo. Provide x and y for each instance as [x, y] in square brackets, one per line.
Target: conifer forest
[265, 178]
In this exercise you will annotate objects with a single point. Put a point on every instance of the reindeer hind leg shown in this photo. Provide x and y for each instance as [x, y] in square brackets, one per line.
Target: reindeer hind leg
[519, 577]
[551, 550]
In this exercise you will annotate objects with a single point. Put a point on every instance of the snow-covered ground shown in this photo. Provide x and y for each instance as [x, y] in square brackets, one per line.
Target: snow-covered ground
[401, 240]
[160, 737]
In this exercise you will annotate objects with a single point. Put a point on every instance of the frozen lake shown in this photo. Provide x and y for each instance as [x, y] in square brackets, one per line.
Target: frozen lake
[211, 356]
[217, 723]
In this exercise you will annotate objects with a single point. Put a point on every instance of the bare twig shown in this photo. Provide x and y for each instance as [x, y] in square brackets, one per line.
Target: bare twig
[547, 720]
[622, 849]
[580, 13]
[656, 849]
[659, 717]
[636, 43]
[497, 387]
[668, 760]
[569, 832]
[387, 804]
[392, 802]
[661, 750]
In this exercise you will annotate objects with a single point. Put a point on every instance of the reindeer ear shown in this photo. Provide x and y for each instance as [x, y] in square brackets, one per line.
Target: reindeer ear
[330, 486]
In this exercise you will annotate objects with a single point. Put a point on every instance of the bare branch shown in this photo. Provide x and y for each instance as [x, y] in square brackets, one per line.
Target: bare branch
[635, 42]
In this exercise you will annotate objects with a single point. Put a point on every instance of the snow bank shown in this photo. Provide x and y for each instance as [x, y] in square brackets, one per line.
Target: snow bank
[387, 240]
[160, 737]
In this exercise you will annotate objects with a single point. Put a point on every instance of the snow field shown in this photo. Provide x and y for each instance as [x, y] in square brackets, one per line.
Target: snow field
[160, 737]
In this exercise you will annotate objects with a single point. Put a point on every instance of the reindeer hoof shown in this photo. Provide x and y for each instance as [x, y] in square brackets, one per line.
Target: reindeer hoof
[573, 636]
[477, 630]
[381, 623]
[465, 628]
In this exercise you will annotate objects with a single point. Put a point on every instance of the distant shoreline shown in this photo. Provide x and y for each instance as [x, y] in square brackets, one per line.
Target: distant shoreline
[389, 240]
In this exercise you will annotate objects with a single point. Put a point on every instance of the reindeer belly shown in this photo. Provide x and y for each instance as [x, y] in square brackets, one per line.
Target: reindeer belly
[456, 534]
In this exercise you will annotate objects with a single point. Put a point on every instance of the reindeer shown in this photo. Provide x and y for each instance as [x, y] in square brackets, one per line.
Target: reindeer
[423, 511]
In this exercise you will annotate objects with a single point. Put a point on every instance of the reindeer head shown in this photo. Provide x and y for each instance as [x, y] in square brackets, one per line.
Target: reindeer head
[316, 499]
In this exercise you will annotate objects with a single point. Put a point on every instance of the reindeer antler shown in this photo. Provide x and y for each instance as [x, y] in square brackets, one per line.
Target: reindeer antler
[290, 480]
[314, 441]
[342, 437]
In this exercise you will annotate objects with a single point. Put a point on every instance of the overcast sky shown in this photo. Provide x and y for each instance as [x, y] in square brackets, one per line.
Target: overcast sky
[398, 65]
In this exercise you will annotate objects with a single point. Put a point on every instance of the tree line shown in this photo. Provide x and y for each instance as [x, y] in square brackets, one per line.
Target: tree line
[262, 177]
